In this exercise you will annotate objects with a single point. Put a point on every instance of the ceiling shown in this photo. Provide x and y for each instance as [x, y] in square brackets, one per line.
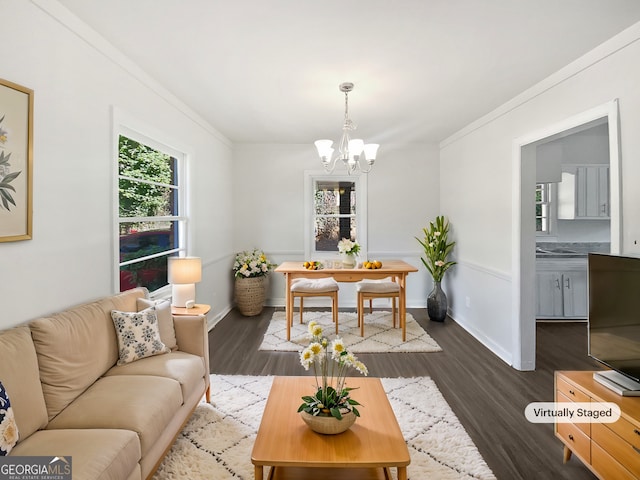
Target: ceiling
[268, 71]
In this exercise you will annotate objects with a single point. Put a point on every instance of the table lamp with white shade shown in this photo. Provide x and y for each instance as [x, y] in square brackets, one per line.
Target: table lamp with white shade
[183, 274]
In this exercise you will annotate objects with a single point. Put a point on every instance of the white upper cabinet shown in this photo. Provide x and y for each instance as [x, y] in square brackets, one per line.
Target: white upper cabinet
[584, 192]
[592, 192]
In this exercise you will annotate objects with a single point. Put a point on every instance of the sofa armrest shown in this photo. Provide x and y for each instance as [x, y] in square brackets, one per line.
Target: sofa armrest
[192, 336]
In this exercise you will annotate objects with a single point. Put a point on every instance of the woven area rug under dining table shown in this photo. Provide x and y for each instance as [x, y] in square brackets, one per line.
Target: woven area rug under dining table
[217, 441]
[379, 334]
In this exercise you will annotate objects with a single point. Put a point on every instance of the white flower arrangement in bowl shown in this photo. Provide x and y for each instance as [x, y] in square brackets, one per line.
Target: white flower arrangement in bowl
[331, 361]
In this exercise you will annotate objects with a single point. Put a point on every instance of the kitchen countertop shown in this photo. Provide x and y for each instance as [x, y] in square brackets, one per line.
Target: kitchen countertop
[570, 249]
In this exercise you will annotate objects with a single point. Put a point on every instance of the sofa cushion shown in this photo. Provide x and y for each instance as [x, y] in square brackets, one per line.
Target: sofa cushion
[8, 427]
[142, 403]
[19, 375]
[186, 369]
[138, 335]
[105, 454]
[77, 346]
[165, 320]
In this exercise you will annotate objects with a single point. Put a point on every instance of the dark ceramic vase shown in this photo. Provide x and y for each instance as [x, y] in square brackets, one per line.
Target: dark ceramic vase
[437, 303]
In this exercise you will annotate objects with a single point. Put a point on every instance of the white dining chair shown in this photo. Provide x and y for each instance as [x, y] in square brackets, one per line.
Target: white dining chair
[315, 287]
[369, 290]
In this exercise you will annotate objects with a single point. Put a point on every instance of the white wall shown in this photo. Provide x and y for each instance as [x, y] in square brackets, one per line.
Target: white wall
[70, 258]
[476, 180]
[403, 196]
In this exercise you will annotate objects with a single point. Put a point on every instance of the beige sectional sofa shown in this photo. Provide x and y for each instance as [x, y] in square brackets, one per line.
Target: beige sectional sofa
[71, 398]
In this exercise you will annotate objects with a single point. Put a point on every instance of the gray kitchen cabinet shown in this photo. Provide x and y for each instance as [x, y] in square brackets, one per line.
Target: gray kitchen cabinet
[592, 192]
[550, 298]
[583, 192]
[574, 294]
[561, 292]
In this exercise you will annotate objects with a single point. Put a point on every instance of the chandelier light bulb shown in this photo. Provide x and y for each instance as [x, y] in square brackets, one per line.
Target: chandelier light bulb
[370, 151]
[355, 147]
[324, 148]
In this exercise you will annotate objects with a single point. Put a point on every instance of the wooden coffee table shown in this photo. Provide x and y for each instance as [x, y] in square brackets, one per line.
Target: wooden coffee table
[365, 452]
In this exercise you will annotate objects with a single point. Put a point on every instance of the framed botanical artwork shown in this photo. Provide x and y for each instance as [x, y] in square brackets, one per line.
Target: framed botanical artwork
[16, 162]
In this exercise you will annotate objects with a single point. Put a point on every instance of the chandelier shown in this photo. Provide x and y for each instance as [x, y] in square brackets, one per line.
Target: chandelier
[355, 155]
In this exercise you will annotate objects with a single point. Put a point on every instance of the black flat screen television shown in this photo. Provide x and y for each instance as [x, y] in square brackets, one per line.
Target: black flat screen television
[614, 312]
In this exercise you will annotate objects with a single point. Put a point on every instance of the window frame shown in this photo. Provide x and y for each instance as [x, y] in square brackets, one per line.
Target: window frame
[310, 178]
[133, 130]
[552, 210]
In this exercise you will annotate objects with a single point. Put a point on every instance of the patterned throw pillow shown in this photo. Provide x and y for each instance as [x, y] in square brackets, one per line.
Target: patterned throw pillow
[8, 426]
[138, 335]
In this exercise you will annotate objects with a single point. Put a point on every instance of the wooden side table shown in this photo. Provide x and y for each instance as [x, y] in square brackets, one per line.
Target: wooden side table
[197, 309]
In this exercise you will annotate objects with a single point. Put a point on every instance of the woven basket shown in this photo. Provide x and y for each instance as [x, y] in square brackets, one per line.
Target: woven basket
[328, 425]
[249, 295]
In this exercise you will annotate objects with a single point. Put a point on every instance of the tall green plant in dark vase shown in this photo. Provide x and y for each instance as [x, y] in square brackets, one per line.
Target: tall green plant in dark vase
[437, 248]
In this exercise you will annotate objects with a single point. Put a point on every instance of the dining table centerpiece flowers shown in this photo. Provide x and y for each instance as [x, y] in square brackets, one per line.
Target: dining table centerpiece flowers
[250, 269]
[437, 248]
[330, 410]
[349, 250]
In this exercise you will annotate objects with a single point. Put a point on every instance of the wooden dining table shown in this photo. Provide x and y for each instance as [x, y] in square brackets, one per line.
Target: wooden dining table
[396, 269]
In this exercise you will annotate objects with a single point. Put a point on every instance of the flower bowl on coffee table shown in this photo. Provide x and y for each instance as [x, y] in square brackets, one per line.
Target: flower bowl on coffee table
[327, 424]
[330, 410]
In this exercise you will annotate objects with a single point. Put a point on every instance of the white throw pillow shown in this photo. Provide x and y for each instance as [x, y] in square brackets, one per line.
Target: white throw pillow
[165, 320]
[138, 335]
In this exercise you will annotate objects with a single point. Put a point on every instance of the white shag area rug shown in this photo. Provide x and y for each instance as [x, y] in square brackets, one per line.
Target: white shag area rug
[379, 334]
[217, 441]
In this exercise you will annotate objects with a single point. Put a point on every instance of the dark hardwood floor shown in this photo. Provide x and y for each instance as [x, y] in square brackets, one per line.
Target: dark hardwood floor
[487, 395]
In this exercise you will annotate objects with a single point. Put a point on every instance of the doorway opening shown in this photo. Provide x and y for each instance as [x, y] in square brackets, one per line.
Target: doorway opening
[524, 221]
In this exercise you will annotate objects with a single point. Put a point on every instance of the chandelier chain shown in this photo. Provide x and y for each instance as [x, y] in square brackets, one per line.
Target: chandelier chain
[346, 107]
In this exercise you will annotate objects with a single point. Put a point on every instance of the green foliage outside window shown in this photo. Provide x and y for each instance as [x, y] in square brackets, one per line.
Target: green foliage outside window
[141, 194]
[147, 210]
